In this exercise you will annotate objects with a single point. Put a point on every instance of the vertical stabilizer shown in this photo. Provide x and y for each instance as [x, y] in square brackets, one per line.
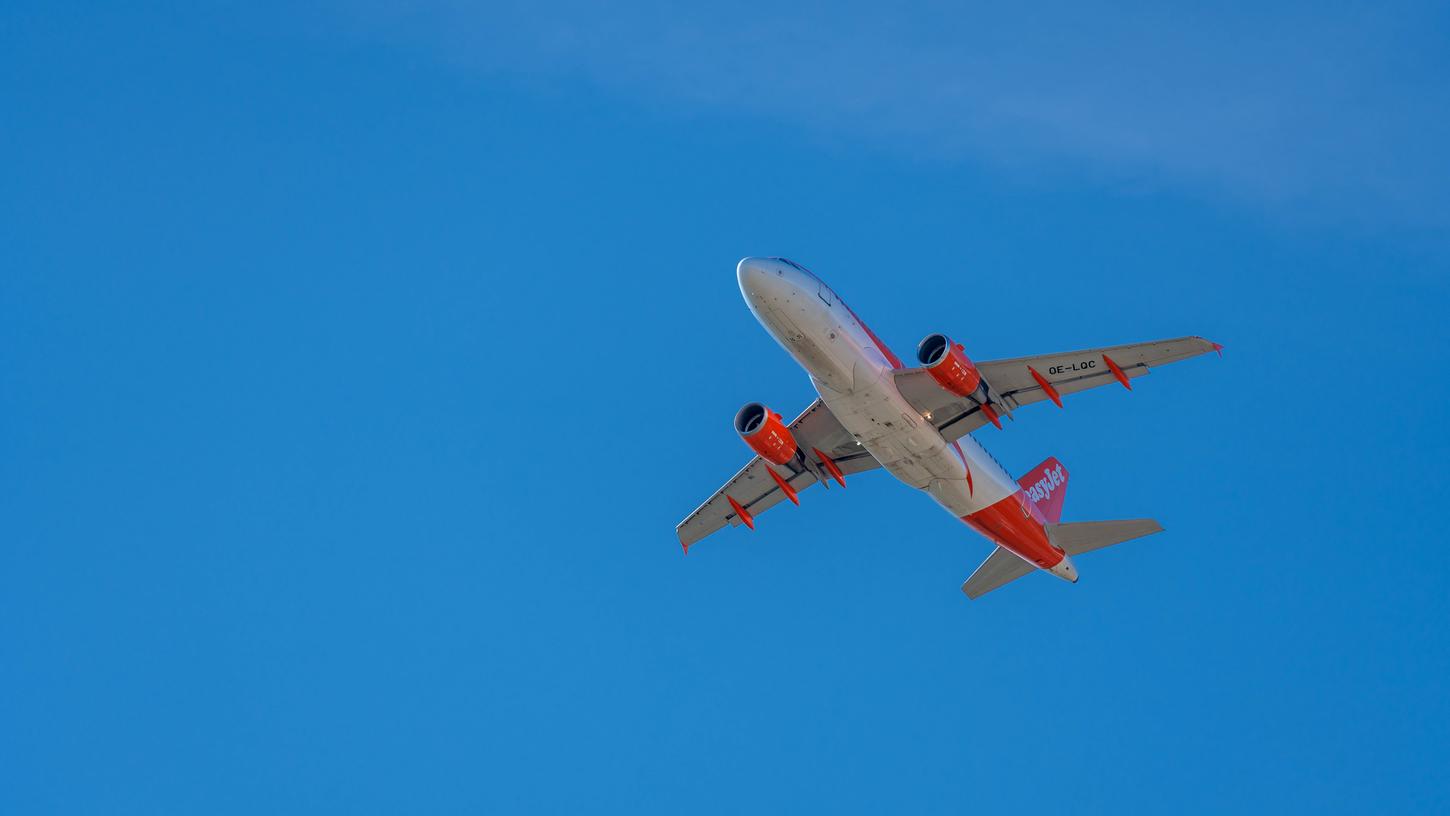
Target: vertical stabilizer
[1045, 485]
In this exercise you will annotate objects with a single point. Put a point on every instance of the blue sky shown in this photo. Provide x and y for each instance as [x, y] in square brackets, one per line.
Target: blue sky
[359, 363]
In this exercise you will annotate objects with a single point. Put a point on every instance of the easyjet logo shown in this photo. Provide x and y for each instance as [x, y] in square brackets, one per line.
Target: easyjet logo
[1041, 490]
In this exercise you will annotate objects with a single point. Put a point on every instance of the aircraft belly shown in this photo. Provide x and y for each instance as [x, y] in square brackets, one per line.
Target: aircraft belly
[905, 444]
[962, 477]
[818, 349]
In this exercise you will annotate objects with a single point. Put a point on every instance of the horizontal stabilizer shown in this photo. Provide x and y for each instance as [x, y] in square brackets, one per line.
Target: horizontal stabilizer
[1001, 567]
[1085, 536]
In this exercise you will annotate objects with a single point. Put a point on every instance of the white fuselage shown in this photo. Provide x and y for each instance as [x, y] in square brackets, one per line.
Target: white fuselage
[853, 372]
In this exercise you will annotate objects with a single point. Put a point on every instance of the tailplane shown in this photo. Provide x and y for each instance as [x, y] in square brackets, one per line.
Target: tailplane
[1074, 538]
[1045, 486]
[1085, 536]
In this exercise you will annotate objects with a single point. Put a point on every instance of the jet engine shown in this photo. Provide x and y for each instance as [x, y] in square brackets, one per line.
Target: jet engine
[763, 431]
[948, 365]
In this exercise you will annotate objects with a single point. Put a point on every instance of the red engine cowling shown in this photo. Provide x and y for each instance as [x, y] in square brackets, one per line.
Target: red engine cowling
[763, 431]
[946, 364]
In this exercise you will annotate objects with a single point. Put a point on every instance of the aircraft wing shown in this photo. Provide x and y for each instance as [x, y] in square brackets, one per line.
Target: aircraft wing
[1013, 383]
[756, 491]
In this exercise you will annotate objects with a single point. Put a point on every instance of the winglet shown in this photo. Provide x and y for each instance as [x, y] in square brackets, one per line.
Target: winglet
[1218, 347]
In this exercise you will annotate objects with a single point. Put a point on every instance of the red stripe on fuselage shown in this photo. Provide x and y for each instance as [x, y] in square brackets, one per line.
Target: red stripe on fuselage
[971, 489]
[1015, 524]
[885, 352]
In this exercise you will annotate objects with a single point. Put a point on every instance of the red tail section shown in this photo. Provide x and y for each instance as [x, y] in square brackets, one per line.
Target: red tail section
[1045, 486]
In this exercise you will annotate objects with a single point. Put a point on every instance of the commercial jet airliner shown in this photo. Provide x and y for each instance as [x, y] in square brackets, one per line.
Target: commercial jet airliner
[874, 412]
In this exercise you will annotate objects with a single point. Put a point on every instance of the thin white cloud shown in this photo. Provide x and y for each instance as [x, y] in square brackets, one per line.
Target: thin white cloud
[1341, 113]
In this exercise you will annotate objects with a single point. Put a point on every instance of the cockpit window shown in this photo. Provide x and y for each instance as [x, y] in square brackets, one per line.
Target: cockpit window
[822, 290]
[794, 265]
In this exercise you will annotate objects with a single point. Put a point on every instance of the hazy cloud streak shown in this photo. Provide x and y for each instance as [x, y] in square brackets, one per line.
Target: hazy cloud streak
[1337, 113]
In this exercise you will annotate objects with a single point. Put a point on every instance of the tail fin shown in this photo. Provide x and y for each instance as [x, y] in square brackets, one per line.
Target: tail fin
[1045, 485]
[1086, 536]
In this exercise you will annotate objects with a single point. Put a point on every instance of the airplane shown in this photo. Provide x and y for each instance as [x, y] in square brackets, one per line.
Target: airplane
[916, 422]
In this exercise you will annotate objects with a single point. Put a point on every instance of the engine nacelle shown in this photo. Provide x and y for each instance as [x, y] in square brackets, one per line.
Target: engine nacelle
[948, 365]
[763, 431]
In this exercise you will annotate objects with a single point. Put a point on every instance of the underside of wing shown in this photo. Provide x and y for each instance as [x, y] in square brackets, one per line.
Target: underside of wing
[955, 416]
[754, 488]
[1079, 537]
[1024, 380]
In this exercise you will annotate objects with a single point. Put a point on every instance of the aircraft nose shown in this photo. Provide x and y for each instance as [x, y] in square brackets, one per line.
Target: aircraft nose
[756, 278]
[750, 270]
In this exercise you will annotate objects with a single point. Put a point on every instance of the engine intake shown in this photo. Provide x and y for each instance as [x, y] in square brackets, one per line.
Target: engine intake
[948, 365]
[763, 431]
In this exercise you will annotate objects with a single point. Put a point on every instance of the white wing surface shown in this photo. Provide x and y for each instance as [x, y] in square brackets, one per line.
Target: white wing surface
[754, 489]
[1025, 380]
